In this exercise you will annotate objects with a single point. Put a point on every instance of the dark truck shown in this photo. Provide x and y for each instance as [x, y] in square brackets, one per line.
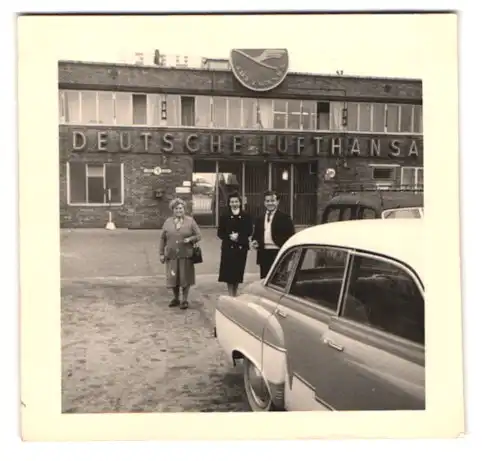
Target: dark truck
[393, 203]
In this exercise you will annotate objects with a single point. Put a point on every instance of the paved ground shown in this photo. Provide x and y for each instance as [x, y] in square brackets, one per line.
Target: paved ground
[123, 349]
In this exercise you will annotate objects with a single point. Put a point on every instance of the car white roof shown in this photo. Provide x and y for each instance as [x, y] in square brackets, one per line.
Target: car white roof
[401, 239]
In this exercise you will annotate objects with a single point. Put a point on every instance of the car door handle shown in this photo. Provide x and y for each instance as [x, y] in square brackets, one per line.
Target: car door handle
[281, 313]
[330, 343]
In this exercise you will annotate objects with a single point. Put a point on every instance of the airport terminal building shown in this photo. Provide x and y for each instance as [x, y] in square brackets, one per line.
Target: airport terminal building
[133, 136]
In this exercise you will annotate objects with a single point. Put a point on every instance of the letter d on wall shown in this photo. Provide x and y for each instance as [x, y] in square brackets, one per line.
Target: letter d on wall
[79, 140]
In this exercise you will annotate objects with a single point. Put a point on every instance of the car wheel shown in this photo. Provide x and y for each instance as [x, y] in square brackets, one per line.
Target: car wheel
[256, 388]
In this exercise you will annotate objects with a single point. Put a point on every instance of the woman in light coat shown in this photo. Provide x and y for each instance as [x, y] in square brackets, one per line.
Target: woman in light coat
[178, 236]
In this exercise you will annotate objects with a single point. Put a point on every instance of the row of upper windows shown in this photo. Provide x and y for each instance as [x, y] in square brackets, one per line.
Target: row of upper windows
[137, 109]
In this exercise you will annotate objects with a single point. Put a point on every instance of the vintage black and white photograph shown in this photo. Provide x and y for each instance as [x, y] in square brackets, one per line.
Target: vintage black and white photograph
[242, 215]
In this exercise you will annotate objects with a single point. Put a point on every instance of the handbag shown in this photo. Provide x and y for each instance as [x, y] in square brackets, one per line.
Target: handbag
[197, 255]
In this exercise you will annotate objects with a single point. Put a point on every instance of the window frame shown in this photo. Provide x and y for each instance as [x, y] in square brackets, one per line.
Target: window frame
[307, 302]
[397, 263]
[272, 272]
[384, 166]
[86, 164]
[416, 169]
[301, 249]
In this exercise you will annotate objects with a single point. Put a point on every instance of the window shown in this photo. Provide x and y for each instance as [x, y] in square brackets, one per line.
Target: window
[187, 111]
[203, 111]
[106, 107]
[406, 118]
[234, 112]
[364, 117]
[392, 118]
[333, 215]
[378, 118]
[319, 277]
[220, 112]
[352, 113]
[336, 110]
[280, 114]
[139, 109]
[265, 113]
[404, 213]
[384, 173]
[412, 177]
[123, 108]
[72, 106]
[322, 115]
[284, 268]
[249, 113]
[367, 213]
[417, 119]
[89, 106]
[154, 109]
[309, 115]
[384, 296]
[90, 183]
[172, 110]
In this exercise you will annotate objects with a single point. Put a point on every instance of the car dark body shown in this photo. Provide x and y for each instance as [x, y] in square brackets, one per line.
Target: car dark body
[362, 205]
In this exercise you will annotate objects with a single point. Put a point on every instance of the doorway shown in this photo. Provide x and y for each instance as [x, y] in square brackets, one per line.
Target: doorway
[214, 180]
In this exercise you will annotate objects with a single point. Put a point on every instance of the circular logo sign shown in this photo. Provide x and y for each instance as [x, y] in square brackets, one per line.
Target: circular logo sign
[157, 170]
[259, 69]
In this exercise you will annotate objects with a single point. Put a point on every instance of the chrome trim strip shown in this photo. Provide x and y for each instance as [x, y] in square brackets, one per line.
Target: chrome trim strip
[306, 383]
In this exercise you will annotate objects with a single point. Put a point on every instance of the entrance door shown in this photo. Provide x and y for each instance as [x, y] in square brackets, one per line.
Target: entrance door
[305, 181]
[256, 182]
[230, 180]
[203, 189]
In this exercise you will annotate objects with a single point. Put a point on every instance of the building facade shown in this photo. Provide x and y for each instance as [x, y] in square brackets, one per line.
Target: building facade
[132, 137]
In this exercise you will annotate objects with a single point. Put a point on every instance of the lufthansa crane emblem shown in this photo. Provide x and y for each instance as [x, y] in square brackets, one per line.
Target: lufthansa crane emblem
[260, 69]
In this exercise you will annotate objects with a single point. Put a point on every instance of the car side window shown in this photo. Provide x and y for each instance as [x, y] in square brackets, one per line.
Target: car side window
[319, 276]
[283, 270]
[333, 215]
[385, 296]
[367, 213]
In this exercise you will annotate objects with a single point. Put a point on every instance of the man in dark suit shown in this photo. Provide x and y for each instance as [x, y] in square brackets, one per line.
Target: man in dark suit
[271, 231]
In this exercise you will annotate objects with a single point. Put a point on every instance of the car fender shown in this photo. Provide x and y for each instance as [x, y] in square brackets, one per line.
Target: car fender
[246, 320]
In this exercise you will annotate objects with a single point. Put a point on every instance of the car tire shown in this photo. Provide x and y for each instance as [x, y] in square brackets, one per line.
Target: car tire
[256, 388]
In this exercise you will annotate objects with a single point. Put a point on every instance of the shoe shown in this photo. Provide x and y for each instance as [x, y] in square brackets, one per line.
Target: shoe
[184, 305]
[174, 303]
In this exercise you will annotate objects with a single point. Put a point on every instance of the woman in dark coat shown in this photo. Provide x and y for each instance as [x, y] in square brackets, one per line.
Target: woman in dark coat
[235, 229]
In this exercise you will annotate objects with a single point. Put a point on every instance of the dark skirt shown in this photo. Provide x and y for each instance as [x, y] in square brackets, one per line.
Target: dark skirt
[233, 264]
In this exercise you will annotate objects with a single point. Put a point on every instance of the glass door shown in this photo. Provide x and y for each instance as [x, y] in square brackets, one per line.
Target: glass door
[203, 188]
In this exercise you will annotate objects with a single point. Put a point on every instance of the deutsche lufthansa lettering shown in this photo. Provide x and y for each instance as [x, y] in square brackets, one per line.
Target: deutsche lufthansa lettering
[313, 144]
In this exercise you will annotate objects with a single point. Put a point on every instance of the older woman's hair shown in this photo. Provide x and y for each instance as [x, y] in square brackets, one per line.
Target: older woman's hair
[175, 202]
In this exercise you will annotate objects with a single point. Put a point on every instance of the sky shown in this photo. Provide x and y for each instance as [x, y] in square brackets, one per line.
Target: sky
[368, 45]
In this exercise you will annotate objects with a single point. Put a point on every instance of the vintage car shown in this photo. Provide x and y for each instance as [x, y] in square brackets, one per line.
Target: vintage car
[362, 205]
[338, 323]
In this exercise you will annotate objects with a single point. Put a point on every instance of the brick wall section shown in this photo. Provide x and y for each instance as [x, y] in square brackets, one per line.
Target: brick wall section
[140, 209]
[100, 76]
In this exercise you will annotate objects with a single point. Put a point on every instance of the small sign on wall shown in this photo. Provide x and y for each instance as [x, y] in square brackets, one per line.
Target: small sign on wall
[157, 170]
[183, 190]
[186, 183]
